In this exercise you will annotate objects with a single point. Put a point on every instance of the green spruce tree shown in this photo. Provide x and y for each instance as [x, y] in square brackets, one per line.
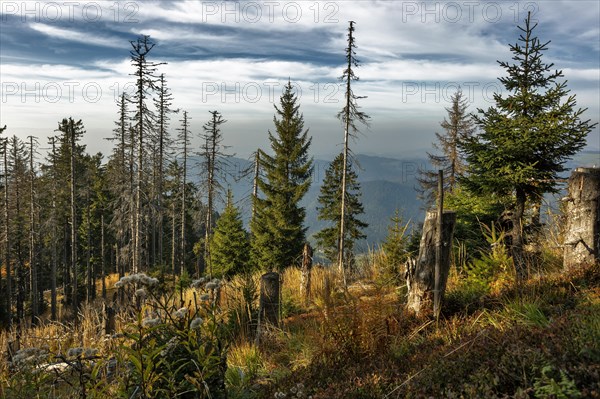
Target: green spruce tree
[394, 247]
[229, 243]
[526, 137]
[330, 200]
[278, 227]
[458, 126]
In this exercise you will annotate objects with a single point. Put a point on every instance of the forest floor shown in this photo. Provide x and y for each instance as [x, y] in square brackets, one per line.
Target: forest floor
[494, 339]
[539, 340]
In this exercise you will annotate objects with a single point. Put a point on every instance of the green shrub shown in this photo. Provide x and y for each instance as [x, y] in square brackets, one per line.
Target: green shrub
[549, 387]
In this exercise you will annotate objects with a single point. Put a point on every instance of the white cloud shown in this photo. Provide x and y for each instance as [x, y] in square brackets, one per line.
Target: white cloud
[75, 36]
[412, 61]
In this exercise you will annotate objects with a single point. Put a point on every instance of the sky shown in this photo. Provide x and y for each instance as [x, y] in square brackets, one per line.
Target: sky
[71, 59]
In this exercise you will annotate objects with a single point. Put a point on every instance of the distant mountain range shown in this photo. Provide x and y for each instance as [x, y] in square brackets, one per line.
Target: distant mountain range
[387, 184]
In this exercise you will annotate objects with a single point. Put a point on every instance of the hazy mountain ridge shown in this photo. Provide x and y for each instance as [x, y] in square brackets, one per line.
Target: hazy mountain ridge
[386, 184]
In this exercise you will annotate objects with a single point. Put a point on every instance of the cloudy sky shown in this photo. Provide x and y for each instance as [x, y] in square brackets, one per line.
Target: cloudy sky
[61, 59]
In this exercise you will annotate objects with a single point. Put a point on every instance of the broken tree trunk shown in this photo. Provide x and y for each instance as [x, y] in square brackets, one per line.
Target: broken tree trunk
[269, 298]
[307, 258]
[269, 303]
[420, 273]
[109, 319]
[582, 234]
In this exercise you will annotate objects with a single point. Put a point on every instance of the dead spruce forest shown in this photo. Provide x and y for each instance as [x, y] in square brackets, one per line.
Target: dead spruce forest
[123, 276]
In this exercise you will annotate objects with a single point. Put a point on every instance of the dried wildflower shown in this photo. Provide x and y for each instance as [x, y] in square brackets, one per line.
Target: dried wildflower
[90, 352]
[150, 322]
[139, 278]
[74, 352]
[196, 323]
[204, 297]
[140, 293]
[180, 314]
[198, 283]
[29, 356]
[170, 346]
[212, 286]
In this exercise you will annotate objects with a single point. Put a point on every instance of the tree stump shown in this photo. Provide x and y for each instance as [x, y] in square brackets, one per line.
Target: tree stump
[109, 319]
[582, 233]
[420, 273]
[307, 258]
[269, 298]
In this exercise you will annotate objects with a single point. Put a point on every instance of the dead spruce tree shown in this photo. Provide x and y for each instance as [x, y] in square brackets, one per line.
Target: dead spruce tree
[350, 116]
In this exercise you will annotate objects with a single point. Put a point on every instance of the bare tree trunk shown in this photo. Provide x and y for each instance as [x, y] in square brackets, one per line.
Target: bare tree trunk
[269, 298]
[33, 278]
[255, 183]
[184, 134]
[209, 205]
[137, 253]
[53, 270]
[88, 272]
[517, 245]
[109, 319]
[438, 246]
[74, 268]
[174, 263]
[582, 232]
[7, 257]
[420, 273]
[307, 259]
[102, 260]
[132, 206]
[342, 237]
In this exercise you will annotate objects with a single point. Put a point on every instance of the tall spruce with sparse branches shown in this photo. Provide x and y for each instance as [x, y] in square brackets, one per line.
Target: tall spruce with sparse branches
[350, 116]
[163, 103]
[526, 137]
[278, 232]
[33, 260]
[53, 231]
[17, 172]
[7, 241]
[213, 165]
[121, 185]
[144, 119]
[458, 126]
[184, 140]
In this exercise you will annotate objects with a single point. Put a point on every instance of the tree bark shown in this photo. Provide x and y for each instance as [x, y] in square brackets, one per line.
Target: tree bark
[109, 319]
[420, 276]
[439, 245]
[7, 257]
[582, 233]
[307, 259]
[33, 273]
[74, 268]
[53, 269]
[269, 298]
[517, 243]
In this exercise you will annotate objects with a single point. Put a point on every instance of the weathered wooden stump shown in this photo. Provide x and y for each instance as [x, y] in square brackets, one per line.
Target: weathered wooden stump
[269, 298]
[269, 303]
[109, 319]
[420, 273]
[307, 258]
[582, 230]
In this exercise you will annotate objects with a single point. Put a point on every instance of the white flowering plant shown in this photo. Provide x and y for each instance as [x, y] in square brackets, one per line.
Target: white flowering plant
[175, 347]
